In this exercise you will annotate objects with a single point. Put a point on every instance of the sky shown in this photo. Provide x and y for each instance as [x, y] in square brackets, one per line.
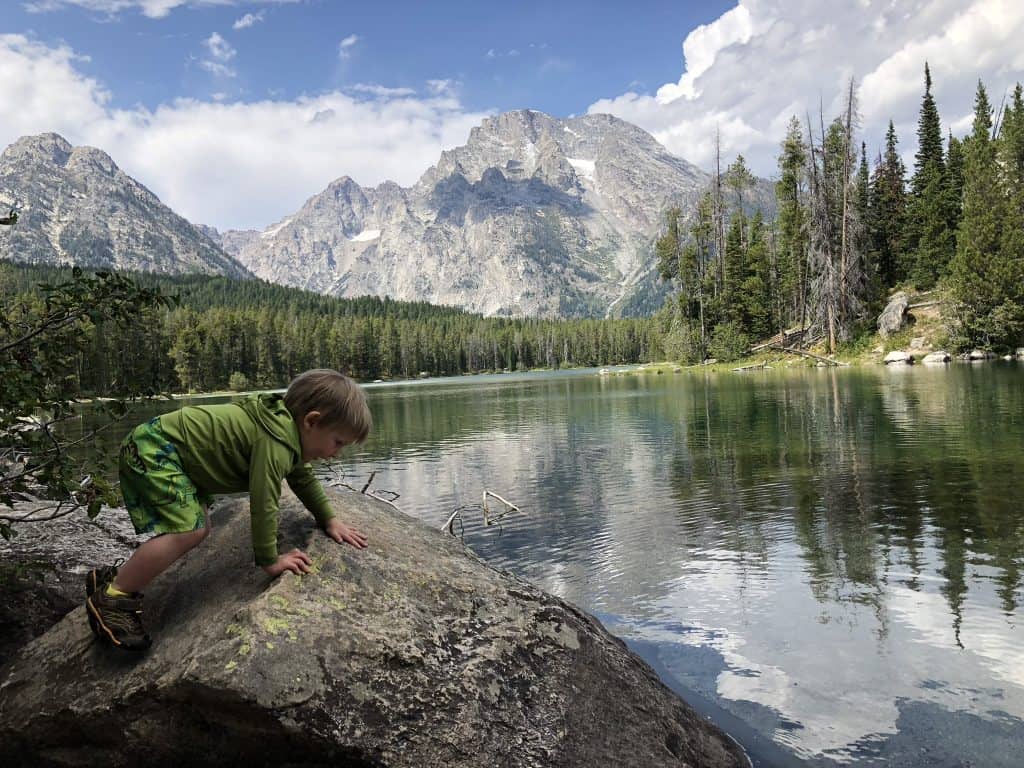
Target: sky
[235, 112]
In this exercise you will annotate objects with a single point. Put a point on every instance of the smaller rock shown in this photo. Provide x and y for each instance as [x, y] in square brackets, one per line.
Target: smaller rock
[979, 354]
[677, 369]
[939, 356]
[898, 356]
[1020, 353]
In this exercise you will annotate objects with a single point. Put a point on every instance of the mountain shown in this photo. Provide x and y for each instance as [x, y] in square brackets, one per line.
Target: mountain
[77, 207]
[535, 215]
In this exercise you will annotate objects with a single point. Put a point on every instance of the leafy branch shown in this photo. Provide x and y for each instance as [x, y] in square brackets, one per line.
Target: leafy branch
[42, 337]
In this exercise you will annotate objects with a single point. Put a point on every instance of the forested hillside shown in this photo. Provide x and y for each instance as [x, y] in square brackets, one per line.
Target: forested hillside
[255, 334]
[850, 231]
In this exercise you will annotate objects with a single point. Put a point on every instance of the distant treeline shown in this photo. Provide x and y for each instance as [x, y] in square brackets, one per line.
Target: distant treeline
[239, 334]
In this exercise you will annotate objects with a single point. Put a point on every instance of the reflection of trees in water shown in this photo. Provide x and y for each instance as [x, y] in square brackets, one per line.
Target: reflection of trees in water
[868, 471]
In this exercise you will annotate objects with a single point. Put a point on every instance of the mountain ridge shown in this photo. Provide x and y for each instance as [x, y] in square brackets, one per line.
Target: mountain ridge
[76, 206]
[534, 215]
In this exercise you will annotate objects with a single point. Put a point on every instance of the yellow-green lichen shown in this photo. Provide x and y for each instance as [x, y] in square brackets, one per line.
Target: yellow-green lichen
[275, 625]
[230, 666]
[336, 604]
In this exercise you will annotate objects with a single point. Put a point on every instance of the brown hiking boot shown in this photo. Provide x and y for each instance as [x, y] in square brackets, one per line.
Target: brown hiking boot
[117, 620]
[100, 577]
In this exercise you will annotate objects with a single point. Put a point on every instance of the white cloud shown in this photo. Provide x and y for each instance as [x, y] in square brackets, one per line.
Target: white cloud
[237, 164]
[345, 45]
[381, 91]
[764, 60]
[154, 9]
[438, 87]
[221, 53]
[248, 20]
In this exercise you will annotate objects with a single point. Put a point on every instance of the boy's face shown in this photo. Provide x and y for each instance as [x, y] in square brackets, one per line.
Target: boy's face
[319, 441]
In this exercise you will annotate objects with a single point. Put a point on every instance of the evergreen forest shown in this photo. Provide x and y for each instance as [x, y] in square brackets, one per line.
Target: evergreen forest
[849, 230]
[225, 333]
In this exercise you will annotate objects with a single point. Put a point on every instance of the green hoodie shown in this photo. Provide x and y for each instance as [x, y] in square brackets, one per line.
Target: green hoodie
[249, 445]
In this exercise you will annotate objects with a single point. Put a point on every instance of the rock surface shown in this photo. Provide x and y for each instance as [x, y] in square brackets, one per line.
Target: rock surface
[898, 356]
[939, 356]
[42, 570]
[410, 653]
[77, 207]
[891, 319]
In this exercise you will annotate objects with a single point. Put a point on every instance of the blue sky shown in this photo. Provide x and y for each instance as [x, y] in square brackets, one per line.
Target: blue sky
[235, 112]
[557, 57]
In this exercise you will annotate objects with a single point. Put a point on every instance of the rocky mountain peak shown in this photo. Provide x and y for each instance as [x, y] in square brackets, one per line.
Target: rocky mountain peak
[45, 147]
[533, 215]
[77, 207]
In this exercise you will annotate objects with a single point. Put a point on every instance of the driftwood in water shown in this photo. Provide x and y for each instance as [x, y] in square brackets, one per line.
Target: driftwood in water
[804, 353]
[754, 366]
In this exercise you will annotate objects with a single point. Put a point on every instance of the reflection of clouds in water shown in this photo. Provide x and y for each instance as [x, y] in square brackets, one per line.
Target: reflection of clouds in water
[796, 568]
[985, 633]
[809, 661]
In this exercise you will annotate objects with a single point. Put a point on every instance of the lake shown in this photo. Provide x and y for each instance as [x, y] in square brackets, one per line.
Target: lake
[827, 562]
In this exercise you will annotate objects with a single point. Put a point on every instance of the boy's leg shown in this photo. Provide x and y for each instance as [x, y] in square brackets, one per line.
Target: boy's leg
[156, 556]
[115, 611]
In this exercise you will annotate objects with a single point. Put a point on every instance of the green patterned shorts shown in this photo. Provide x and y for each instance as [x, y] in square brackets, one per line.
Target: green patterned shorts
[159, 496]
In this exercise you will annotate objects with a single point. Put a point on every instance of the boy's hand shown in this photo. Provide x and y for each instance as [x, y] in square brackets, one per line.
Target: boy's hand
[342, 534]
[295, 561]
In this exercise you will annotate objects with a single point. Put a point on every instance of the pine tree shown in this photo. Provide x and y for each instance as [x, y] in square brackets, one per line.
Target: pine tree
[887, 211]
[929, 241]
[955, 180]
[977, 272]
[790, 194]
[929, 138]
[1008, 315]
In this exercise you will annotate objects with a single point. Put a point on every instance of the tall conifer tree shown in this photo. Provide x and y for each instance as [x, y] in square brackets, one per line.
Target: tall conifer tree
[790, 194]
[982, 297]
[888, 209]
[929, 241]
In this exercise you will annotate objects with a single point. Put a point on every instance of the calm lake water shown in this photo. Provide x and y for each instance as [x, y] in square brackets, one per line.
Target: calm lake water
[826, 562]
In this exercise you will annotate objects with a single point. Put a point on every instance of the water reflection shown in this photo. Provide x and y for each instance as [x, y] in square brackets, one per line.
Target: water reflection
[845, 542]
[831, 556]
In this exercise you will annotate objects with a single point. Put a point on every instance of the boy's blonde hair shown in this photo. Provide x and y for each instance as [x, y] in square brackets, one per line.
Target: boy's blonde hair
[340, 401]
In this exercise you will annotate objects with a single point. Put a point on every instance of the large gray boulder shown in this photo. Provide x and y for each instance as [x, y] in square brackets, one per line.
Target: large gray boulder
[411, 653]
[891, 319]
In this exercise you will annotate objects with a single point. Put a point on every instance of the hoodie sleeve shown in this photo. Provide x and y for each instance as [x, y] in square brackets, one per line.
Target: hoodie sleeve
[311, 493]
[265, 474]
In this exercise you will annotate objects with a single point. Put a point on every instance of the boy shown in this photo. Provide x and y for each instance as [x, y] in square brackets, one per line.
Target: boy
[170, 466]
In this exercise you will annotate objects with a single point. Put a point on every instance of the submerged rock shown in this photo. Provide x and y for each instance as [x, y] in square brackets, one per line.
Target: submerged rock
[411, 653]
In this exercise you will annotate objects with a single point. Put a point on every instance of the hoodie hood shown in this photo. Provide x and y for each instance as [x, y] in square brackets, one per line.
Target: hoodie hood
[270, 413]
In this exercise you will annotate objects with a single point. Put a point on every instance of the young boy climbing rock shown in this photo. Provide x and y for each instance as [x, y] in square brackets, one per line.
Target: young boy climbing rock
[170, 467]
